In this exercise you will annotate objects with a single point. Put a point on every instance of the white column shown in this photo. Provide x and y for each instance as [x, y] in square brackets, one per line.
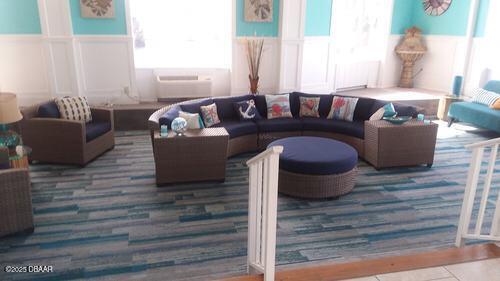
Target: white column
[292, 23]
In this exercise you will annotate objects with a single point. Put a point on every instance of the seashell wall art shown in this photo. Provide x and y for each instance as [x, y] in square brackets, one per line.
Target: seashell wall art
[97, 9]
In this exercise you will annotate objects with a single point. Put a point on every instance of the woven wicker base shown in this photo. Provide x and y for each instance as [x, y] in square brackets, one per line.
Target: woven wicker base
[316, 186]
[242, 144]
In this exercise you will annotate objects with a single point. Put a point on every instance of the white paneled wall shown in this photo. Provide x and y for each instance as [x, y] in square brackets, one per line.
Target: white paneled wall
[317, 65]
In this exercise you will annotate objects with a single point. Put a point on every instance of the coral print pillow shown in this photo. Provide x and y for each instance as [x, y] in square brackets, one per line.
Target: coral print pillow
[209, 114]
[343, 108]
[309, 107]
[246, 110]
[278, 106]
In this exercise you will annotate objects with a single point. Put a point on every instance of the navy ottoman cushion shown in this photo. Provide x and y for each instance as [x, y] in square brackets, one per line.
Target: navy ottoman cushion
[238, 128]
[279, 125]
[94, 130]
[316, 156]
[49, 110]
[353, 129]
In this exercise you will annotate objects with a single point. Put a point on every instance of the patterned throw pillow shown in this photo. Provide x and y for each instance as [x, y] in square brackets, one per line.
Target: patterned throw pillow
[193, 120]
[246, 110]
[74, 108]
[309, 107]
[209, 114]
[278, 106]
[343, 108]
[385, 111]
[485, 97]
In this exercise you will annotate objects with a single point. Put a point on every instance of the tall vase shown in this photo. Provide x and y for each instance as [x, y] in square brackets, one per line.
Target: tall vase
[254, 84]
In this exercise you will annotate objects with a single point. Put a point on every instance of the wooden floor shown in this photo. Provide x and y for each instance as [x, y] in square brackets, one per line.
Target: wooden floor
[383, 265]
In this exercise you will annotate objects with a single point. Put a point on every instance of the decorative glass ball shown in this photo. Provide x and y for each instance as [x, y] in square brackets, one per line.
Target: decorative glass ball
[179, 125]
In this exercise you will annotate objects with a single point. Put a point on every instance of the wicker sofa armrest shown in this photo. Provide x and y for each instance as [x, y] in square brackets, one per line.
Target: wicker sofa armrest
[14, 179]
[53, 131]
[103, 115]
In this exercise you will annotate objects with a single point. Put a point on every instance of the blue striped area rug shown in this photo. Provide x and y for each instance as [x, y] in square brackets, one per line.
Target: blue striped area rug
[110, 221]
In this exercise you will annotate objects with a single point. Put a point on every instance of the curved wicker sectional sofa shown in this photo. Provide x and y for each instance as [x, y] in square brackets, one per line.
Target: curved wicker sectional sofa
[248, 136]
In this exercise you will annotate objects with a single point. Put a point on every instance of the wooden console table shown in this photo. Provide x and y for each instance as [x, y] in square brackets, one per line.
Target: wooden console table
[200, 155]
[409, 144]
[444, 106]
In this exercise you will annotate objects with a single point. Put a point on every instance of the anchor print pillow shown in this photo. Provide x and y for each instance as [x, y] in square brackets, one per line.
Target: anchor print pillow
[246, 110]
[343, 108]
[309, 107]
[209, 114]
[278, 106]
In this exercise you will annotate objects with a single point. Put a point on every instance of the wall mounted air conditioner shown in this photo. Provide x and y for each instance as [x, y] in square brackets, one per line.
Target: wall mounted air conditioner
[183, 86]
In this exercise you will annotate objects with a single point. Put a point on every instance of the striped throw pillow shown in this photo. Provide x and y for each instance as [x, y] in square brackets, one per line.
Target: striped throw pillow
[74, 108]
[485, 97]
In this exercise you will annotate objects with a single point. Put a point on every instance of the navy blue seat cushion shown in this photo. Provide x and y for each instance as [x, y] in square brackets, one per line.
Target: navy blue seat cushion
[325, 103]
[95, 129]
[279, 125]
[225, 106]
[194, 107]
[49, 110]
[353, 129]
[169, 116]
[401, 109]
[237, 128]
[316, 156]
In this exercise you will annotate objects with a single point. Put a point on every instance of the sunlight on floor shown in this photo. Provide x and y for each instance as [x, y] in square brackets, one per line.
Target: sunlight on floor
[455, 130]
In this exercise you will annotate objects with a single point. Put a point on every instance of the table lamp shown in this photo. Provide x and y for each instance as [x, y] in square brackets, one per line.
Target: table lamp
[9, 113]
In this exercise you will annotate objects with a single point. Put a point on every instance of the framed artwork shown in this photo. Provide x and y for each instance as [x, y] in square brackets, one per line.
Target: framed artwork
[97, 9]
[436, 7]
[259, 10]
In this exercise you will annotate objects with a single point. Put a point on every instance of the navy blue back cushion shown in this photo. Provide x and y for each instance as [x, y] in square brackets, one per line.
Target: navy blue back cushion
[325, 103]
[401, 109]
[260, 103]
[194, 107]
[49, 110]
[225, 106]
[169, 116]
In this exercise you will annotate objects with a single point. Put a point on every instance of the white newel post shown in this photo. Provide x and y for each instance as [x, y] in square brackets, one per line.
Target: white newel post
[463, 232]
[262, 212]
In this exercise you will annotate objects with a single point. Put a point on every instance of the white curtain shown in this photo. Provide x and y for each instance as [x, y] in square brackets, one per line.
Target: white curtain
[360, 29]
[492, 40]
[182, 33]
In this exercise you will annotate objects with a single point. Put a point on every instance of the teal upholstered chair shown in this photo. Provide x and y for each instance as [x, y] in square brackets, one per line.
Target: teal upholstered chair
[477, 114]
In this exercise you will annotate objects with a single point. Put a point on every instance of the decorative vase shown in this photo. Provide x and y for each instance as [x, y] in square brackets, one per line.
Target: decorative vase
[254, 84]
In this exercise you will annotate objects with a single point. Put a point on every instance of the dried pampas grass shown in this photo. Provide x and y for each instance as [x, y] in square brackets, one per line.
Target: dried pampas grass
[254, 55]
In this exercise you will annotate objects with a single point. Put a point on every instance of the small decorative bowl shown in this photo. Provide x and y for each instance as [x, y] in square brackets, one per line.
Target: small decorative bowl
[397, 120]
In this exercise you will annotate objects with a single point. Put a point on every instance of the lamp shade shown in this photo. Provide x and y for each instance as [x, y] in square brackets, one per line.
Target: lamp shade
[9, 110]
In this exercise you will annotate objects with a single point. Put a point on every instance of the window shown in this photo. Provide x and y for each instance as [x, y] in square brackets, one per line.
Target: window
[360, 28]
[182, 33]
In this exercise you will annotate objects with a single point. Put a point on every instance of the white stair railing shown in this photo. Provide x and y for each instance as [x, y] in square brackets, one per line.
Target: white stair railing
[470, 194]
[262, 212]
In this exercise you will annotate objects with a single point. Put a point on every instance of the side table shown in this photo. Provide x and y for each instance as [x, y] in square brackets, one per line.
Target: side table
[444, 106]
[20, 161]
[199, 155]
[408, 144]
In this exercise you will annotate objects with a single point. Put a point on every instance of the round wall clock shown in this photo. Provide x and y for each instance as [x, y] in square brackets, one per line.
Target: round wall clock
[436, 7]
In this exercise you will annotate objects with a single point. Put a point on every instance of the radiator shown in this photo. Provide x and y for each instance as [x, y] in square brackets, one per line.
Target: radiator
[185, 86]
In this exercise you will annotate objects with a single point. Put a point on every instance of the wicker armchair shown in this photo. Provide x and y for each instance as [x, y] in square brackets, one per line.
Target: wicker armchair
[55, 140]
[15, 202]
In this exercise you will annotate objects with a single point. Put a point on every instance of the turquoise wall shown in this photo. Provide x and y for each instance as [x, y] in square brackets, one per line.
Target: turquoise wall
[318, 17]
[19, 17]
[453, 22]
[84, 26]
[265, 29]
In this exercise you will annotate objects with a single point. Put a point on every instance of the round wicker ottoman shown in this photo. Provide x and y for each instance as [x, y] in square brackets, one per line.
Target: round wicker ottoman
[312, 167]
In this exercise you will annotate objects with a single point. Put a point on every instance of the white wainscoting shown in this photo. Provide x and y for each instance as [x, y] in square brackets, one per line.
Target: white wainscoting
[269, 68]
[106, 68]
[23, 68]
[356, 74]
[317, 65]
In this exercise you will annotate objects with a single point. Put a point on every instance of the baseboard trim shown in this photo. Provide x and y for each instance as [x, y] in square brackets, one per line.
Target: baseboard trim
[383, 265]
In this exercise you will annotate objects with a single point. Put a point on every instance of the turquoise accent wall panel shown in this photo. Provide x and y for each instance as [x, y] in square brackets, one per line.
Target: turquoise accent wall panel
[453, 22]
[402, 16]
[84, 26]
[264, 29]
[19, 17]
[318, 17]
